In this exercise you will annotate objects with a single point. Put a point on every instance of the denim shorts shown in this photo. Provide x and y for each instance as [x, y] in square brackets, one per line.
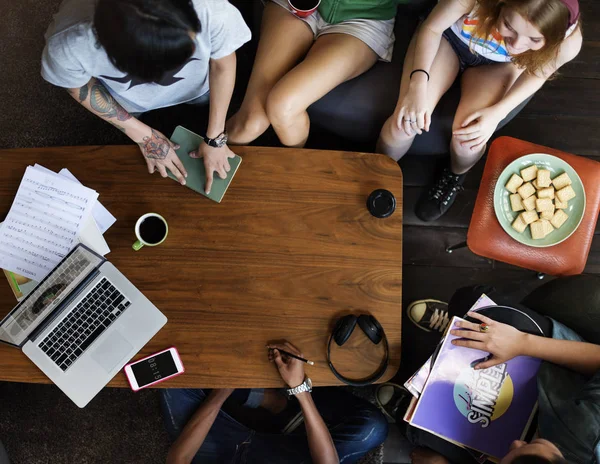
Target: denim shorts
[466, 58]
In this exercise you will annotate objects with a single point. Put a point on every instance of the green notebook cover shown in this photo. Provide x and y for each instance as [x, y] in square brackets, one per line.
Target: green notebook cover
[196, 179]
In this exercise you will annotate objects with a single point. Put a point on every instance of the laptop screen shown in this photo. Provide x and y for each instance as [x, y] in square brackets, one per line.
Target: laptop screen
[31, 311]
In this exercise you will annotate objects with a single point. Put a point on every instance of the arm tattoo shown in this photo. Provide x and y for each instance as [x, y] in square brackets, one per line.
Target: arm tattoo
[103, 102]
[83, 93]
[155, 147]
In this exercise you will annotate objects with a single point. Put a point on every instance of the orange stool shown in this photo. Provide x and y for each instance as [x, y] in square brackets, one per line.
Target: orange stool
[486, 237]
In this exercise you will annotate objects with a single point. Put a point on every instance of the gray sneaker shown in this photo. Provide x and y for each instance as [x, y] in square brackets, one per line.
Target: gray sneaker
[429, 315]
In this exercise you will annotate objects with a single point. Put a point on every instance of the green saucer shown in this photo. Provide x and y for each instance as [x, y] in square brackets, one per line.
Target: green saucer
[506, 215]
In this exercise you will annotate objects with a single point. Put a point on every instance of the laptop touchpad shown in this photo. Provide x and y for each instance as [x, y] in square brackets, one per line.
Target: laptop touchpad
[112, 351]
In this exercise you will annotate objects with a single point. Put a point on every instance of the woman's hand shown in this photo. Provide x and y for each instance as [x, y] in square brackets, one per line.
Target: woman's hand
[290, 369]
[413, 113]
[502, 341]
[215, 159]
[478, 128]
[159, 153]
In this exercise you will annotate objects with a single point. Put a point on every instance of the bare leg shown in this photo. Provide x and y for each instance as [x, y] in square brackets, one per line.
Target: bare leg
[333, 59]
[284, 41]
[481, 87]
[393, 141]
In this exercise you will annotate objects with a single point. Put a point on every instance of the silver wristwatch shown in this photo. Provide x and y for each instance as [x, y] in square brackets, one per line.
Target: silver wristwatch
[305, 386]
[218, 141]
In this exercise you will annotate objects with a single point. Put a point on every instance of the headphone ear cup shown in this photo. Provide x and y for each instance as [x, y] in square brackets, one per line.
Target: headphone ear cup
[343, 329]
[371, 327]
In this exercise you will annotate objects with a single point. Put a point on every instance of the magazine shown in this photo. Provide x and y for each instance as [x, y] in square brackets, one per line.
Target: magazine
[485, 410]
[416, 383]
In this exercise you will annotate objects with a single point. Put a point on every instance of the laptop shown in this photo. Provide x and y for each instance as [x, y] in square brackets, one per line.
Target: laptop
[82, 324]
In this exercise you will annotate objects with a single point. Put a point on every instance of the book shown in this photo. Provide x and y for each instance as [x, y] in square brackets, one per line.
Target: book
[486, 409]
[196, 180]
[20, 286]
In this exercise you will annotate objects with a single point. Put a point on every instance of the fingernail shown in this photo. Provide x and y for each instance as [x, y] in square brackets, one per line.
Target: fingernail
[183, 183]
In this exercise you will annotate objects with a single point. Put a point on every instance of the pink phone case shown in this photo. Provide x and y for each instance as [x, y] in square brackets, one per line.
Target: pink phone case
[158, 381]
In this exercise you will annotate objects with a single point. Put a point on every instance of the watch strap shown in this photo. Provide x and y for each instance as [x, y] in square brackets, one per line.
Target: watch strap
[303, 387]
[219, 141]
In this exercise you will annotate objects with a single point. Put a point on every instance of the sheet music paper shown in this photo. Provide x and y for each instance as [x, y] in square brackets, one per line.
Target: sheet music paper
[104, 220]
[101, 215]
[44, 223]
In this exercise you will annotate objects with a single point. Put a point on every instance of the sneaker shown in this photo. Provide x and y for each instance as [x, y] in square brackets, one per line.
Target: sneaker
[434, 203]
[393, 400]
[429, 315]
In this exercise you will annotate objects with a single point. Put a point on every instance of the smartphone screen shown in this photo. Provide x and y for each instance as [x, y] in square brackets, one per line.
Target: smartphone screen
[154, 368]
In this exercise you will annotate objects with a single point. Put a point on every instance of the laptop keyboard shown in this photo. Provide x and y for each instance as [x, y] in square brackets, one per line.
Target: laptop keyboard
[84, 324]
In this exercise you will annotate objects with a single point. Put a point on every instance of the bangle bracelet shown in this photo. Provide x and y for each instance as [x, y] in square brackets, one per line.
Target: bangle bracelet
[419, 70]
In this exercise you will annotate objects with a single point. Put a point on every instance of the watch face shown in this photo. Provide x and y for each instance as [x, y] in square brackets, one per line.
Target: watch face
[309, 383]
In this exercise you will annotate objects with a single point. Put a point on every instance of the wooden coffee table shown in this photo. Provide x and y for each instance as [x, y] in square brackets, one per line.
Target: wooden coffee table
[291, 247]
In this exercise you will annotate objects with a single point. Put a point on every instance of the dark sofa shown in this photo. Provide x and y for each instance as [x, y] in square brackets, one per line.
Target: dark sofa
[357, 109]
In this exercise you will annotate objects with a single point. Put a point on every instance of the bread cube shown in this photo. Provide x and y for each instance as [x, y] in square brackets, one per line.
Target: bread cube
[560, 204]
[559, 218]
[543, 204]
[565, 194]
[515, 202]
[529, 203]
[514, 183]
[543, 178]
[548, 227]
[526, 190]
[546, 193]
[529, 173]
[548, 214]
[528, 217]
[537, 230]
[519, 225]
[535, 184]
[561, 181]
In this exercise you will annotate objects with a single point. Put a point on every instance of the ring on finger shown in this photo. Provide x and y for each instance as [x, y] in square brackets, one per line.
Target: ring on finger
[483, 327]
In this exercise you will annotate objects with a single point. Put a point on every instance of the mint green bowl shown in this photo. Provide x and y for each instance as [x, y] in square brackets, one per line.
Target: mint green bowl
[506, 215]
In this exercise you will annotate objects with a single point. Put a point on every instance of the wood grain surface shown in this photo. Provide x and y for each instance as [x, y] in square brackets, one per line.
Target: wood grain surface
[290, 248]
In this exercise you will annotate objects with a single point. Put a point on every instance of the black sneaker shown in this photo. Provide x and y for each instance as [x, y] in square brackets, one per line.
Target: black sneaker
[429, 315]
[434, 203]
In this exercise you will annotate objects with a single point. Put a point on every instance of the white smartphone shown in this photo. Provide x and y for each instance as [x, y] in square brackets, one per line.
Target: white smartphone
[154, 369]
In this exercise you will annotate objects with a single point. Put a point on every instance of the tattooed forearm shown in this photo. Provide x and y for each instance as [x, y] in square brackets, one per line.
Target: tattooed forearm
[103, 102]
[83, 93]
[155, 146]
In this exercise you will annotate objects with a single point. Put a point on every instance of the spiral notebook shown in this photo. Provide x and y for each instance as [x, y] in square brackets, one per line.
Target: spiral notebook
[196, 179]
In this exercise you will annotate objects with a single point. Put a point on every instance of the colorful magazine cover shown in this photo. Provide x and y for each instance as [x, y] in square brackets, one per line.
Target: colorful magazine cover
[417, 382]
[486, 409]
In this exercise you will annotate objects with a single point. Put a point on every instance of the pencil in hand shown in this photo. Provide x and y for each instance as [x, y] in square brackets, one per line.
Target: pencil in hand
[287, 353]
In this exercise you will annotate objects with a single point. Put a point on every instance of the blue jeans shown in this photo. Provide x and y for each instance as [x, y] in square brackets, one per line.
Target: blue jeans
[356, 427]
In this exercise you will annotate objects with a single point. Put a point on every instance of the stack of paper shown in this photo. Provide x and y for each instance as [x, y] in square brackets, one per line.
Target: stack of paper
[50, 215]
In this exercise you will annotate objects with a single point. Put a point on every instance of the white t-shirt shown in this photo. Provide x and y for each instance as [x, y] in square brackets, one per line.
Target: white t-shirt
[493, 48]
[73, 56]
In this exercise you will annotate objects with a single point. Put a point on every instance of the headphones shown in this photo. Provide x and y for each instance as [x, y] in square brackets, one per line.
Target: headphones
[341, 333]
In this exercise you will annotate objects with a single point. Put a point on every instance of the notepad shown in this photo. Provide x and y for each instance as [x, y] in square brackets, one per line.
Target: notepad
[196, 180]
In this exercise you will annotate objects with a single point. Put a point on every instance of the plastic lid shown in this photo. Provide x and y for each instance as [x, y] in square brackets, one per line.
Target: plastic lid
[381, 203]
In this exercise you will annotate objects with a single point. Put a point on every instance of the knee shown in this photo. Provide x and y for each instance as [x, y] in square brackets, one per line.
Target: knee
[252, 123]
[460, 150]
[392, 135]
[373, 429]
[282, 108]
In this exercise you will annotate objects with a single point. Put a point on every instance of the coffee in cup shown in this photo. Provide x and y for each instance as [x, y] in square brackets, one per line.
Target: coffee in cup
[151, 230]
[304, 8]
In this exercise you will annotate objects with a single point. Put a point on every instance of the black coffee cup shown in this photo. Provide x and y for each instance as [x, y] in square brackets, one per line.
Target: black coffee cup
[381, 203]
